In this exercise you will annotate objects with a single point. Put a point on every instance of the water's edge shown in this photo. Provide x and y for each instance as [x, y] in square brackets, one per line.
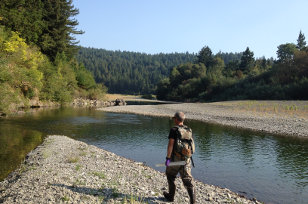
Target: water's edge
[64, 169]
[271, 123]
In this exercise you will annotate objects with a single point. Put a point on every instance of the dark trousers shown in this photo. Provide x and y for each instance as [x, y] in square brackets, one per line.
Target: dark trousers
[185, 173]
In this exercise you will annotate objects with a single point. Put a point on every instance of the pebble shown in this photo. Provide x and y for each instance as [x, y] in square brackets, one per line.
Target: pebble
[56, 179]
[282, 124]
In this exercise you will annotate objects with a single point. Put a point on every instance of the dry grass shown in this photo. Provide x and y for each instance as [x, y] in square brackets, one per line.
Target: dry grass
[281, 108]
[112, 97]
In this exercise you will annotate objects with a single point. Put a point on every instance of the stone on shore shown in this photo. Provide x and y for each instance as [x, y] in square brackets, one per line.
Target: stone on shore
[229, 115]
[63, 170]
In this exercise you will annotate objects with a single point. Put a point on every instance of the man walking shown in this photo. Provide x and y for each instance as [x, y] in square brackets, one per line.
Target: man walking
[180, 148]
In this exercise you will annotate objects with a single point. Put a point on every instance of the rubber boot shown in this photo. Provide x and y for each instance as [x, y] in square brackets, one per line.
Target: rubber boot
[170, 196]
[192, 195]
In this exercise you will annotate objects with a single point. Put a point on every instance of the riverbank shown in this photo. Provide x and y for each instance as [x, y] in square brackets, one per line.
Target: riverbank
[63, 170]
[36, 106]
[277, 117]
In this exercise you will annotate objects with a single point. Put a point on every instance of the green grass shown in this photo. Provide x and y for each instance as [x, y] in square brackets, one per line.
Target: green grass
[65, 198]
[46, 154]
[73, 159]
[132, 199]
[78, 166]
[79, 183]
[83, 153]
[100, 175]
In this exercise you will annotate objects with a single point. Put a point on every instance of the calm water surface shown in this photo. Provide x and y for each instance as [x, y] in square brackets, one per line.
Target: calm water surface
[273, 169]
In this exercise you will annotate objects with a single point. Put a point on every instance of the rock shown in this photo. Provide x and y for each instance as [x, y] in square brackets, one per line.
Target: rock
[98, 179]
[80, 102]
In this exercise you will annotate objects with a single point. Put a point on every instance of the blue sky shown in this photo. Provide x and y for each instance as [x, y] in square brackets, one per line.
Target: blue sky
[155, 26]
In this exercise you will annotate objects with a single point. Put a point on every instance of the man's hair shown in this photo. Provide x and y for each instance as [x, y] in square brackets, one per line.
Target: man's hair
[180, 116]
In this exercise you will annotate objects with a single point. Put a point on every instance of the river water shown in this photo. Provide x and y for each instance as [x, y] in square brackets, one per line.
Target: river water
[273, 169]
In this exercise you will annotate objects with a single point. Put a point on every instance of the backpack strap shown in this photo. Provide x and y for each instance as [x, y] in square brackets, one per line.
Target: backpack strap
[192, 162]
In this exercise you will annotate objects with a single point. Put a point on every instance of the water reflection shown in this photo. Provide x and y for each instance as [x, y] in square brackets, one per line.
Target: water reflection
[293, 160]
[15, 143]
[270, 168]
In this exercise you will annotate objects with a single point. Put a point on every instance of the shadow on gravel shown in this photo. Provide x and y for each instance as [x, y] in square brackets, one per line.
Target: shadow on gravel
[110, 194]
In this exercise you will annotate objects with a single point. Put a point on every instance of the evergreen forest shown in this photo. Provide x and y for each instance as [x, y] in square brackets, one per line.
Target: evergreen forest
[37, 55]
[40, 60]
[130, 72]
[136, 73]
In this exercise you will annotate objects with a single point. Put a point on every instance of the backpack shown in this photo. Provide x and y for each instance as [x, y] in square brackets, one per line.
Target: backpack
[184, 143]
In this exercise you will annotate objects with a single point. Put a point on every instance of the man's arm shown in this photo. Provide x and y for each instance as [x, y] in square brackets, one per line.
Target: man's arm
[170, 147]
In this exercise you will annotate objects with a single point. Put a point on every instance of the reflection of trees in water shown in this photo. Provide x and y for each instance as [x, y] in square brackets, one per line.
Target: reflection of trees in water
[237, 150]
[224, 141]
[15, 143]
[292, 156]
[254, 150]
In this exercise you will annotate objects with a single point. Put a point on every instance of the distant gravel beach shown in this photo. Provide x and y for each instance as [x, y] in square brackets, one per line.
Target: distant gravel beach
[63, 170]
[285, 118]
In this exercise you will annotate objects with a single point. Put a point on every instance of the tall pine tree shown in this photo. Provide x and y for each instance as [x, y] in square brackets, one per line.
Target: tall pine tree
[60, 28]
[247, 61]
[205, 56]
[301, 43]
[23, 16]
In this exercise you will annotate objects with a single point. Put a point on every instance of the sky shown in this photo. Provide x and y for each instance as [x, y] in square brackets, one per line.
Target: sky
[168, 26]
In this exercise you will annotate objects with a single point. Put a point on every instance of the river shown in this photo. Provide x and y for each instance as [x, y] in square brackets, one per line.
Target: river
[273, 169]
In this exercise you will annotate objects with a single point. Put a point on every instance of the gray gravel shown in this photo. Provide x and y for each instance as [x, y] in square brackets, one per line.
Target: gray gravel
[63, 170]
[221, 113]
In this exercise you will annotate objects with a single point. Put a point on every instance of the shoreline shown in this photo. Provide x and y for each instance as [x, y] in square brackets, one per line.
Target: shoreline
[227, 114]
[66, 170]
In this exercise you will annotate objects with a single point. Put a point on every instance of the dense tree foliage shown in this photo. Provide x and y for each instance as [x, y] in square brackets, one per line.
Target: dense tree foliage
[37, 54]
[38, 61]
[286, 52]
[49, 24]
[243, 77]
[130, 72]
[205, 56]
[229, 56]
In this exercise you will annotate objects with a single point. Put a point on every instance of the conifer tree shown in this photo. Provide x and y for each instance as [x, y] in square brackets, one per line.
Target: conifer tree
[57, 37]
[247, 60]
[205, 56]
[301, 43]
[23, 16]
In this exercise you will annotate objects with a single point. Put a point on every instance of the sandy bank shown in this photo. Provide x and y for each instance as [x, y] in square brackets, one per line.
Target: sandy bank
[63, 170]
[277, 121]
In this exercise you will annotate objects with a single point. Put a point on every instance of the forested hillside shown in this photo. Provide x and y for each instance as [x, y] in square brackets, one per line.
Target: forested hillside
[130, 72]
[37, 54]
[39, 60]
[212, 79]
[133, 72]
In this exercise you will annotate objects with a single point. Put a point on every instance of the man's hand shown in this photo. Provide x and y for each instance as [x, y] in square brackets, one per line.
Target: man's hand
[168, 160]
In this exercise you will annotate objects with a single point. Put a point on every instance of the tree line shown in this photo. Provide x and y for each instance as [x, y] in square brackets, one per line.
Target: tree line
[39, 59]
[210, 78]
[130, 72]
[37, 54]
[135, 73]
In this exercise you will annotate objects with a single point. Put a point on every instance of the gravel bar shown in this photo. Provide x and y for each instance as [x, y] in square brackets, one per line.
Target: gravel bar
[64, 170]
[225, 114]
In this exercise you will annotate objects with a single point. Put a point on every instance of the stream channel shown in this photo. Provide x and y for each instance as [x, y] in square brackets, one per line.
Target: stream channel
[271, 168]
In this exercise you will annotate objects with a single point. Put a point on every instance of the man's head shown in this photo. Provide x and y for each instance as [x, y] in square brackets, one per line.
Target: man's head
[179, 116]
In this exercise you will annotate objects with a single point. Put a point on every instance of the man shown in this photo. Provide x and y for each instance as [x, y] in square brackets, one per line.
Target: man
[173, 156]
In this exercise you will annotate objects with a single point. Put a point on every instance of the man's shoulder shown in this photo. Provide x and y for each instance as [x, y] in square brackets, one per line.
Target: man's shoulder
[181, 126]
[174, 128]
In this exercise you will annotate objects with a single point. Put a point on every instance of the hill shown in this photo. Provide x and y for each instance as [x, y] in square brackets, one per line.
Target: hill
[130, 72]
